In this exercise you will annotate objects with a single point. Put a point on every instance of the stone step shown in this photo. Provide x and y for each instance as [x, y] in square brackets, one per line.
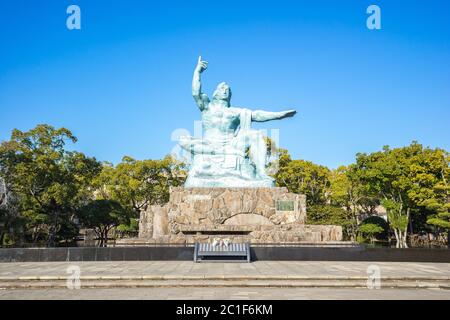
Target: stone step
[292, 282]
[221, 277]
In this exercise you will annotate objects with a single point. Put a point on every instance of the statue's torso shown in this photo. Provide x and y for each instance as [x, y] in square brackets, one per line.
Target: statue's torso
[220, 122]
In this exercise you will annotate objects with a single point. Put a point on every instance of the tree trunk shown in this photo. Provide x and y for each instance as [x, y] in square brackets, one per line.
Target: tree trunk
[102, 238]
[397, 238]
[51, 238]
[52, 233]
[33, 236]
[99, 235]
[352, 232]
[404, 243]
[106, 237]
[400, 237]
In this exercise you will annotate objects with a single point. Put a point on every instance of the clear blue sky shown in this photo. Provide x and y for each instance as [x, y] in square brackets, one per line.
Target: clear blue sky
[122, 82]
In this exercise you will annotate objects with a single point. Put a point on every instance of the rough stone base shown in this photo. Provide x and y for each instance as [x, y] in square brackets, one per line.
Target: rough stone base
[257, 215]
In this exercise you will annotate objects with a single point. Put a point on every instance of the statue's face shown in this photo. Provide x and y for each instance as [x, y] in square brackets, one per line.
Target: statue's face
[223, 92]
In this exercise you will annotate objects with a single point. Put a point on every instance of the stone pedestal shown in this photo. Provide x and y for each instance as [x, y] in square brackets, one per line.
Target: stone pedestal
[259, 215]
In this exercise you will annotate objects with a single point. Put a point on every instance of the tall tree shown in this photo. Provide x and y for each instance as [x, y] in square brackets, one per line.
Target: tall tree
[49, 181]
[304, 177]
[135, 184]
[409, 180]
[11, 222]
[102, 216]
[386, 173]
[348, 191]
[344, 193]
[432, 190]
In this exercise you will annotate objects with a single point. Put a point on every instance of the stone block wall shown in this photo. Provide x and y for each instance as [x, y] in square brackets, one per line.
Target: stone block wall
[264, 215]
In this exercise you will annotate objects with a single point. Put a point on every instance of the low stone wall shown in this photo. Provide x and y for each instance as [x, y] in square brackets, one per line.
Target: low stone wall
[185, 253]
[97, 254]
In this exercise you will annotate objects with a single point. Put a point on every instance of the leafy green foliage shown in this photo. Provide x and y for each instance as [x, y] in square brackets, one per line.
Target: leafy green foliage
[52, 185]
[347, 191]
[370, 230]
[409, 180]
[11, 221]
[135, 184]
[10, 225]
[49, 181]
[102, 216]
[441, 220]
[383, 235]
[130, 228]
[329, 215]
[304, 177]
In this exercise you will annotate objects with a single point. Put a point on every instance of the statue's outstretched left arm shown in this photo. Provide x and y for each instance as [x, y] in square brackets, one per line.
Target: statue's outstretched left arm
[261, 115]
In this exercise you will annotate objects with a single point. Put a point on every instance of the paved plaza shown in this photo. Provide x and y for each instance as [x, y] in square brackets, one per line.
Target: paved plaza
[257, 280]
[258, 269]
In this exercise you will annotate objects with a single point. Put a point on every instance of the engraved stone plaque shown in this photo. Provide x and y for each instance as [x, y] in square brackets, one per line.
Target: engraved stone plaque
[285, 205]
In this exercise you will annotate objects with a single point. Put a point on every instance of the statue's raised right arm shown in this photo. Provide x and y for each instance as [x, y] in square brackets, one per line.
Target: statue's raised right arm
[200, 98]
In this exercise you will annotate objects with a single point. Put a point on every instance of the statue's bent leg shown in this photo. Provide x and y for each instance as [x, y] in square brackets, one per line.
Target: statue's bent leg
[196, 145]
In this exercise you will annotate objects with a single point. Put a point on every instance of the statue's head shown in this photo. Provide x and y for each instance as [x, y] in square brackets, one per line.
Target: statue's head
[222, 92]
